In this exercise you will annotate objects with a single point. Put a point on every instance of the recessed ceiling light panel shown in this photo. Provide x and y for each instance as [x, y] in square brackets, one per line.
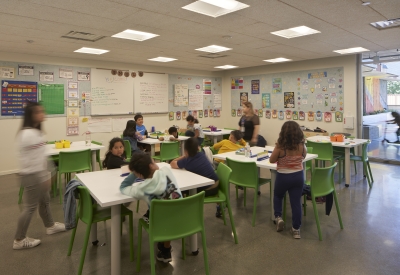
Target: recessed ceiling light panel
[226, 67]
[91, 51]
[391, 23]
[276, 60]
[352, 50]
[134, 35]
[162, 59]
[213, 49]
[295, 32]
[215, 8]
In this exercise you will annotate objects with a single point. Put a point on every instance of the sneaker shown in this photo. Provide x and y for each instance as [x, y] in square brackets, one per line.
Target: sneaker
[295, 233]
[160, 246]
[280, 224]
[26, 243]
[164, 255]
[218, 214]
[146, 217]
[57, 227]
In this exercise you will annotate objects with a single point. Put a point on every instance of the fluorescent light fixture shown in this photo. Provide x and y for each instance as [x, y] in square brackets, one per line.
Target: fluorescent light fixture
[215, 8]
[276, 60]
[352, 50]
[213, 49]
[226, 67]
[162, 59]
[134, 35]
[391, 23]
[295, 32]
[91, 51]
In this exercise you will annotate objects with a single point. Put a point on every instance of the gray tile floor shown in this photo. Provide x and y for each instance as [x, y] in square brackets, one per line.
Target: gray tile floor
[368, 244]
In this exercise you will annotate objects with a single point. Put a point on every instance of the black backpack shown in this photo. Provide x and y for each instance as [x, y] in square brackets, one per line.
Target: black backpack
[261, 142]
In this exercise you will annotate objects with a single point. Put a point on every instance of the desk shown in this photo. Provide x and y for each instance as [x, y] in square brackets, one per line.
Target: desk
[217, 134]
[352, 143]
[262, 164]
[153, 141]
[104, 188]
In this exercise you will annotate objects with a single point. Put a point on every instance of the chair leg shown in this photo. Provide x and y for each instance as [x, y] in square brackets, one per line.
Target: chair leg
[338, 209]
[21, 192]
[355, 167]
[71, 242]
[237, 195]
[228, 205]
[367, 174]
[137, 206]
[205, 253]
[139, 251]
[59, 185]
[85, 243]
[223, 212]
[131, 236]
[254, 207]
[245, 195]
[370, 172]
[152, 261]
[316, 217]
[183, 249]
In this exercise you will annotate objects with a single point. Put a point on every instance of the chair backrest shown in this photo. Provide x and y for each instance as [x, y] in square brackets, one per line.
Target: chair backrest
[175, 219]
[309, 163]
[127, 149]
[322, 181]
[85, 211]
[169, 150]
[243, 173]
[324, 150]
[75, 161]
[224, 174]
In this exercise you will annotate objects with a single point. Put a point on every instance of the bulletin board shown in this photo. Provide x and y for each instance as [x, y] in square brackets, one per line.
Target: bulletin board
[304, 95]
[209, 89]
[52, 98]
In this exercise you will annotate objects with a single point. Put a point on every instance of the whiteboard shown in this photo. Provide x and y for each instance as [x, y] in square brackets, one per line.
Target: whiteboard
[151, 93]
[111, 94]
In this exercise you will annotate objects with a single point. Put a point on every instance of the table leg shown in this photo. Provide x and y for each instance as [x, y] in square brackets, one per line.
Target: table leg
[116, 239]
[347, 166]
[215, 139]
[271, 197]
[94, 160]
[153, 150]
[93, 229]
[182, 147]
[193, 239]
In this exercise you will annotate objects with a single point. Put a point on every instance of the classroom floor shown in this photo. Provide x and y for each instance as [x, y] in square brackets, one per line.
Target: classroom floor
[368, 244]
[384, 152]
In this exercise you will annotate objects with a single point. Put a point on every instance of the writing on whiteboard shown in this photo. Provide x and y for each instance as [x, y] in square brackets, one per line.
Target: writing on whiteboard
[115, 79]
[102, 96]
[152, 94]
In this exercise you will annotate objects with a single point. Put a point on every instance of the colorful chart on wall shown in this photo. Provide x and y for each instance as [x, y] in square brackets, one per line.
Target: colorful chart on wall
[51, 96]
[316, 91]
[14, 95]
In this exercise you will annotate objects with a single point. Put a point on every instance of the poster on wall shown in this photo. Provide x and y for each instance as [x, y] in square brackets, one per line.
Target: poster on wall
[255, 87]
[277, 85]
[195, 99]
[46, 76]
[244, 97]
[14, 95]
[288, 100]
[65, 73]
[266, 100]
[207, 86]
[237, 83]
[25, 69]
[83, 76]
[7, 72]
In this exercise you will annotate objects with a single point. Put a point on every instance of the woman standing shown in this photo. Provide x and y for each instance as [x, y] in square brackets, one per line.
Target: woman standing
[34, 176]
[249, 124]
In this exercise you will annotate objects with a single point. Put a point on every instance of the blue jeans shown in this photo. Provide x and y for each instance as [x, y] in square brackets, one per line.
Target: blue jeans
[293, 184]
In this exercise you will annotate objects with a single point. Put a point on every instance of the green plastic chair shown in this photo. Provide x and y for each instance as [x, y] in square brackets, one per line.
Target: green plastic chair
[245, 174]
[322, 184]
[168, 151]
[223, 197]
[90, 213]
[309, 167]
[98, 154]
[188, 213]
[324, 151]
[127, 150]
[339, 153]
[73, 162]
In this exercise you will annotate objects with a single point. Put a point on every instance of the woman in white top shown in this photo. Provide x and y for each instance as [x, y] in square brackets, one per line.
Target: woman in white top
[35, 179]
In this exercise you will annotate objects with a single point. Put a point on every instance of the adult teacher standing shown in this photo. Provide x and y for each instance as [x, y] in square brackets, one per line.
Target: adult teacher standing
[249, 124]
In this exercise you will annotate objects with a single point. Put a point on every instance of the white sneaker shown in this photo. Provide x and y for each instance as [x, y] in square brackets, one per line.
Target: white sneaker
[295, 233]
[57, 227]
[26, 243]
[280, 224]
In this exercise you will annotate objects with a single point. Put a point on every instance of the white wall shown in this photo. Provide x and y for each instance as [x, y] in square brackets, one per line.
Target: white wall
[270, 127]
[55, 128]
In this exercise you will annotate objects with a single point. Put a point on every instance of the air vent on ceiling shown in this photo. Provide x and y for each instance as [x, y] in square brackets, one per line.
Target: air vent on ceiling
[85, 36]
[382, 25]
[213, 55]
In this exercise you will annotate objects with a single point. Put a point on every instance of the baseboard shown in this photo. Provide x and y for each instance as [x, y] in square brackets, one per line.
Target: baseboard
[8, 172]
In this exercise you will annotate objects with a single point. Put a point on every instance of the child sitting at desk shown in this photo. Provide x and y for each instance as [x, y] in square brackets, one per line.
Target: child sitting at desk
[234, 143]
[131, 135]
[140, 128]
[194, 124]
[154, 183]
[115, 156]
[173, 135]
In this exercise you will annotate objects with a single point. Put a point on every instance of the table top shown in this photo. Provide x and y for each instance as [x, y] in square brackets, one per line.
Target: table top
[255, 150]
[157, 141]
[75, 146]
[220, 132]
[347, 143]
[104, 185]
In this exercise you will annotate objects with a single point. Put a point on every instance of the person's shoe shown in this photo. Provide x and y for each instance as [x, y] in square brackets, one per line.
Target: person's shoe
[146, 217]
[26, 243]
[57, 227]
[280, 224]
[295, 233]
[164, 255]
[218, 214]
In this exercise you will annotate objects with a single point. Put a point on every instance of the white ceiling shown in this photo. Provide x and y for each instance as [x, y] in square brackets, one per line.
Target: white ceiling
[343, 24]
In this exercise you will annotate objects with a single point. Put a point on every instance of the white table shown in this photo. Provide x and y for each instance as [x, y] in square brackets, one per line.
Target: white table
[347, 144]
[262, 164]
[153, 141]
[215, 135]
[104, 188]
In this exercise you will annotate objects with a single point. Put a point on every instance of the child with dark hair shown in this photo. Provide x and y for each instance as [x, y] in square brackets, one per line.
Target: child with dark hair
[194, 124]
[395, 120]
[131, 135]
[289, 153]
[234, 143]
[115, 156]
[140, 128]
[152, 182]
[173, 135]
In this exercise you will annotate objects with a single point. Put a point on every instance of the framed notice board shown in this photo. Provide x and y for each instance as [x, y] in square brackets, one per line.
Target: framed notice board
[51, 96]
[14, 95]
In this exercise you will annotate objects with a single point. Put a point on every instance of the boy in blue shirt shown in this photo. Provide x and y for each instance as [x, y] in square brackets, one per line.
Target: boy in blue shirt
[140, 128]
